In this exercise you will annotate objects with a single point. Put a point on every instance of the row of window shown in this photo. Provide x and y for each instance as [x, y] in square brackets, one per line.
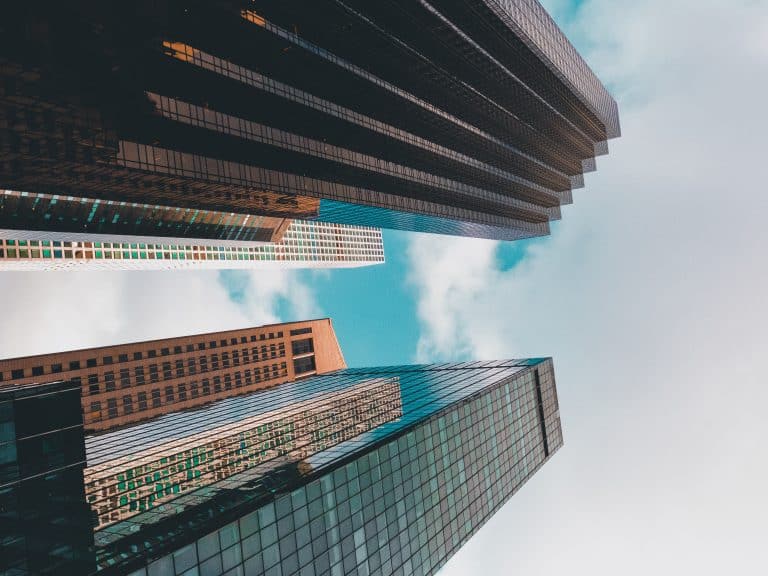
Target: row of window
[178, 370]
[56, 368]
[184, 391]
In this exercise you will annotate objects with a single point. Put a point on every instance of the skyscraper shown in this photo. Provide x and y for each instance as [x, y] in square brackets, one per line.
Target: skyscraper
[45, 524]
[473, 117]
[127, 383]
[304, 244]
[360, 471]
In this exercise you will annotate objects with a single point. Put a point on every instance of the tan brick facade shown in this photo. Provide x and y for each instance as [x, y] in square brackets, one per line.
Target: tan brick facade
[128, 383]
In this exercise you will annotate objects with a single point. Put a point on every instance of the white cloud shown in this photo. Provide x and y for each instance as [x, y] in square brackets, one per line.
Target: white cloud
[56, 311]
[650, 296]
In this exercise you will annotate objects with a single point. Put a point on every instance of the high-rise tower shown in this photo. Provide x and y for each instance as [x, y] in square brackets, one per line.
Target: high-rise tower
[468, 117]
[303, 244]
[359, 471]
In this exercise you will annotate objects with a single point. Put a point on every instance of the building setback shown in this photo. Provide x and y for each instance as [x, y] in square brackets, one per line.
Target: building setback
[127, 383]
[359, 471]
[473, 117]
[304, 244]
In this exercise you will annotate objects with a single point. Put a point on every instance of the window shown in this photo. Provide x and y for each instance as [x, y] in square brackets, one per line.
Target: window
[122, 358]
[253, 338]
[96, 411]
[112, 407]
[177, 349]
[107, 360]
[182, 392]
[190, 348]
[138, 355]
[214, 361]
[279, 334]
[169, 394]
[56, 368]
[216, 384]
[248, 377]
[165, 351]
[93, 383]
[167, 371]
[206, 387]
[302, 346]
[223, 341]
[91, 362]
[127, 404]
[299, 331]
[243, 340]
[156, 398]
[302, 365]
[74, 365]
[37, 370]
[227, 382]
[18, 373]
[152, 354]
[142, 400]
[225, 359]
[125, 378]
[238, 380]
[138, 374]
[236, 358]
[201, 346]
[191, 368]
[233, 341]
[109, 381]
[203, 364]
[272, 351]
[193, 389]
[179, 368]
[153, 377]
[212, 344]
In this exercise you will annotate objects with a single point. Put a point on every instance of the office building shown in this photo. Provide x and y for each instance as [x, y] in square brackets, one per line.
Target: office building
[474, 118]
[126, 383]
[359, 471]
[304, 244]
[45, 523]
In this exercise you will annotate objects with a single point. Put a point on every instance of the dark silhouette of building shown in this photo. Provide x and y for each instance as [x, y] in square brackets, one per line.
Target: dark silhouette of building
[46, 527]
[473, 117]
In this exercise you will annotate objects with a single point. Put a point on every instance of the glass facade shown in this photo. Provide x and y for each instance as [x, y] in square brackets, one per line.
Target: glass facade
[473, 118]
[362, 471]
[45, 526]
[57, 213]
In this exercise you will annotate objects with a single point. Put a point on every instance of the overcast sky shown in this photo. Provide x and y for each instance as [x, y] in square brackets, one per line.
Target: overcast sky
[650, 295]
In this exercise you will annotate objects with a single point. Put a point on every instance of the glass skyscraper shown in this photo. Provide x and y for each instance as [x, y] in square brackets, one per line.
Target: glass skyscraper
[472, 117]
[360, 471]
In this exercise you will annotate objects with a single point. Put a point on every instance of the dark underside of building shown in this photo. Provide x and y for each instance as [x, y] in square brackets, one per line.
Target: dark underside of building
[460, 117]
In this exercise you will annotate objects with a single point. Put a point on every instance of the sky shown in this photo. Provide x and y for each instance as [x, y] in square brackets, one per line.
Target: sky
[650, 295]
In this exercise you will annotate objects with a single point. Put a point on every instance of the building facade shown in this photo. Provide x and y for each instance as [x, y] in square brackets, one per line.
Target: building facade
[474, 118]
[413, 470]
[303, 244]
[127, 383]
[45, 525]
